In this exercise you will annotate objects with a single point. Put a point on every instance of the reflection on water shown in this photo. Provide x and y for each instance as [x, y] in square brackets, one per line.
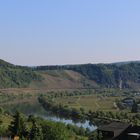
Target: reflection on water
[85, 124]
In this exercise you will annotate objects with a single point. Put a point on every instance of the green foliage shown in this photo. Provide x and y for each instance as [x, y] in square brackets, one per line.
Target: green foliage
[111, 75]
[95, 136]
[55, 131]
[17, 126]
[16, 76]
[38, 129]
[36, 132]
[62, 111]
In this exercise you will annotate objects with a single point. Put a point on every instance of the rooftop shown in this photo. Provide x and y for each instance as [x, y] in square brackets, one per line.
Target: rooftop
[116, 127]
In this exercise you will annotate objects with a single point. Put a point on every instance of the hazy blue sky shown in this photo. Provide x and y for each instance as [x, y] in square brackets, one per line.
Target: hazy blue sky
[38, 32]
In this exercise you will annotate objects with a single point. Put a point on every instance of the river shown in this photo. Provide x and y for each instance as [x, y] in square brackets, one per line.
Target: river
[85, 124]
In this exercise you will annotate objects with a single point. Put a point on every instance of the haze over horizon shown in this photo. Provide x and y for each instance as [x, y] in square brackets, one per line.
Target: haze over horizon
[69, 32]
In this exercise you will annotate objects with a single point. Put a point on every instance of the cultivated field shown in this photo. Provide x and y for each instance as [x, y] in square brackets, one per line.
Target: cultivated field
[89, 102]
[26, 101]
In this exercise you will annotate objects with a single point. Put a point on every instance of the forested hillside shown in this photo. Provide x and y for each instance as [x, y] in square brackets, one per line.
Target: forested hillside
[16, 76]
[126, 75]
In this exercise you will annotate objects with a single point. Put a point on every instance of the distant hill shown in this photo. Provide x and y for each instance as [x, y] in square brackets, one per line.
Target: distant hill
[62, 79]
[116, 75]
[124, 75]
[126, 62]
[16, 76]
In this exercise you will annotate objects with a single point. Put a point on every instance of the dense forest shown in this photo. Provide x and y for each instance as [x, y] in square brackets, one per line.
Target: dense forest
[16, 76]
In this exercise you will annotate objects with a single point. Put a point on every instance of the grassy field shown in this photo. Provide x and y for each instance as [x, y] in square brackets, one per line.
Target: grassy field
[89, 102]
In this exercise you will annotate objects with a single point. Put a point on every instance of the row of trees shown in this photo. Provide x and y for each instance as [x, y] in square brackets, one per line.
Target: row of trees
[57, 94]
[62, 111]
[94, 117]
[32, 128]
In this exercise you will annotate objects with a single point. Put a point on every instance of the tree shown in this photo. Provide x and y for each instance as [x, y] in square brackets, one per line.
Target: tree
[100, 136]
[55, 131]
[36, 132]
[17, 126]
[134, 107]
[95, 136]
